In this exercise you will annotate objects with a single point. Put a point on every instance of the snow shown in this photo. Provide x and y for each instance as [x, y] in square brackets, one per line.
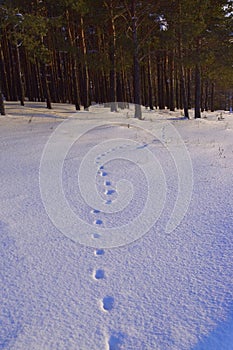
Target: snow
[152, 289]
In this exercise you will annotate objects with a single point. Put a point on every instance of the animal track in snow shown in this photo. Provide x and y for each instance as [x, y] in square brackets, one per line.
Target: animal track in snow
[95, 211]
[99, 274]
[115, 342]
[111, 150]
[110, 192]
[103, 173]
[99, 252]
[96, 235]
[107, 303]
[98, 222]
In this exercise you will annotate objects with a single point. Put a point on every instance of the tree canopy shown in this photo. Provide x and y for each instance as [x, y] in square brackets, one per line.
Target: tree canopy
[173, 53]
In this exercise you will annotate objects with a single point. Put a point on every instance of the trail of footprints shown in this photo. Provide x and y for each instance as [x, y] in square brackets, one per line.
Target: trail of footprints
[107, 303]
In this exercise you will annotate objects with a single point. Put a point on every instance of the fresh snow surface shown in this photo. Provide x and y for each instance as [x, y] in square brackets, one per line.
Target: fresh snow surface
[162, 291]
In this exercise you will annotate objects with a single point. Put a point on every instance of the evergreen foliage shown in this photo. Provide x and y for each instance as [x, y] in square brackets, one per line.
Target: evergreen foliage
[173, 53]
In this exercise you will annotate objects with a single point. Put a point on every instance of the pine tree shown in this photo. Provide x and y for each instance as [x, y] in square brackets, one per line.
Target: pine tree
[166, 53]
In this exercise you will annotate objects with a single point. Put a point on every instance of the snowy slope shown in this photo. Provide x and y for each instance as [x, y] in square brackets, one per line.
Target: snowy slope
[154, 291]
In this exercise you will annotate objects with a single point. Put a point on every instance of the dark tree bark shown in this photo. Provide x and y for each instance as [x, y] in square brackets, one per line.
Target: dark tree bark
[73, 60]
[20, 85]
[4, 74]
[124, 82]
[166, 81]
[39, 84]
[76, 96]
[136, 64]
[61, 80]
[212, 97]
[189, 86]
[2, 106]
[85, 90]
[171, 82]
[184, 91]
[112, 56]
[177, 88]
[197, 92]
[46, 85]
[12, 76]
[144, 90]
[160, 81]
[150, 87]
[182, 70]
[121, 99]
[206, 98]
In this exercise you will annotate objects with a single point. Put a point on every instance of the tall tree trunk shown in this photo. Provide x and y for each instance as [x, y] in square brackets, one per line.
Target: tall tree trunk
[46, 85]
[4, 74]
[136, 65]
[177, 88]
[206, 100]
[10, 68]
[197, 83]
[2, 106]
[54, 75]
[39, 84]
[61, 71]
[184, 91]
[129, 91]
[85, 92]
[75, 84]
[20, 84]
[150, 88]
[197, 91]
[189, 85]
[124, 82]
[212, 97]
[112, 56]
[160, 81]
[182, 70]
[171, 81]
[29, 78]
[76, 96]
[144, 90]
[121, 100]
[166, 80]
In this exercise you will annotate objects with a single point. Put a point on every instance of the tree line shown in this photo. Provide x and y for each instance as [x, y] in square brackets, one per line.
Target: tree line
[175, 53]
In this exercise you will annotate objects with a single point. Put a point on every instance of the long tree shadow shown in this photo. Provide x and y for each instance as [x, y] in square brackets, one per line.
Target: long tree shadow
[221, 338]
[11, 300]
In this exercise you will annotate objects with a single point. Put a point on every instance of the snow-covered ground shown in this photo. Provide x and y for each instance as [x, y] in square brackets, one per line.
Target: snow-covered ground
[129, 287]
